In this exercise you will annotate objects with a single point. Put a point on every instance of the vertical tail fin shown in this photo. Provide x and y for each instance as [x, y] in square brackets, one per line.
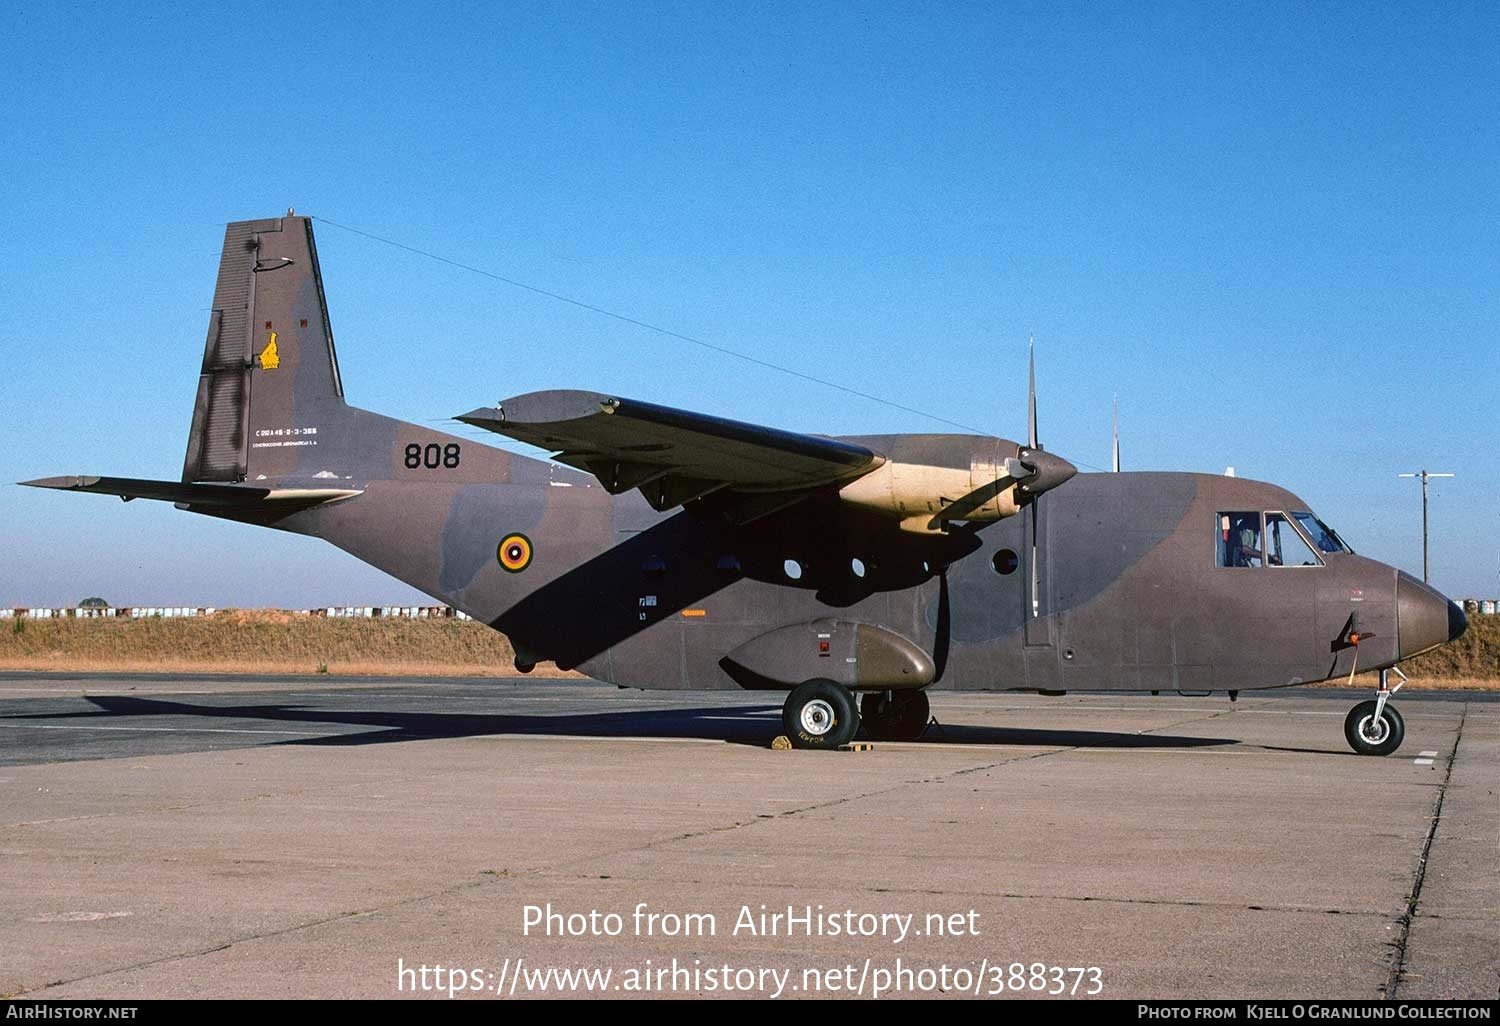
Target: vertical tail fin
[270, 378]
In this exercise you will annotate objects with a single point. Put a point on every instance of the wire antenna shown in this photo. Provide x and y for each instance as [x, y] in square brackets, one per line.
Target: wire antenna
[669, 333]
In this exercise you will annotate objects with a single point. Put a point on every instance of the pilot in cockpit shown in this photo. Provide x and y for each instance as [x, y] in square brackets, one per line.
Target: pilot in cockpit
[1244, 540]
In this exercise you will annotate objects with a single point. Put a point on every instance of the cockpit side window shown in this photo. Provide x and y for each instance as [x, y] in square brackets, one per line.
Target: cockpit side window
[1285, 545]
[1238, 539]
[1321, 534]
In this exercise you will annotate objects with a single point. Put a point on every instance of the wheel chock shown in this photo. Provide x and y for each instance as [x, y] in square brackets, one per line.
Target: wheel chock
[857, 746]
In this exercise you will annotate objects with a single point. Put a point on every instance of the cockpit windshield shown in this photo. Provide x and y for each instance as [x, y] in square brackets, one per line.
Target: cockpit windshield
[1321, 534]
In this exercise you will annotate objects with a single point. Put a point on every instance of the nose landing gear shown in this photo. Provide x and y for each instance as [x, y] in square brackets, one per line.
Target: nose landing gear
[1375, 727]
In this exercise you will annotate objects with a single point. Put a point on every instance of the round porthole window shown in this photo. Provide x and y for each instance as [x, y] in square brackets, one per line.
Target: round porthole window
[857, 567]
[792, 569]
[1005, 562]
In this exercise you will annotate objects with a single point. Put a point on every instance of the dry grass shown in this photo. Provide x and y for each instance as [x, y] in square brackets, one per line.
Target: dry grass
[270, 642]
[261, 641]
[1416, 683]
[1472, 662]
[1476, 655]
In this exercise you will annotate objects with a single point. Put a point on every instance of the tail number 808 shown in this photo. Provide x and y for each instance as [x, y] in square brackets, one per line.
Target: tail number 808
[432, 456]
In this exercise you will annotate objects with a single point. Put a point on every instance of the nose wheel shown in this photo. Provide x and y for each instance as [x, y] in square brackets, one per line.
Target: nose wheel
[1375, 727]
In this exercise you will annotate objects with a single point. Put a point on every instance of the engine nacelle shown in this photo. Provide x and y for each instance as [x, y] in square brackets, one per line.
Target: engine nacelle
[995, 480]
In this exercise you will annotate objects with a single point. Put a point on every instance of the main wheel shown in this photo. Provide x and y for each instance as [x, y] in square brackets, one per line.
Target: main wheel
[1370, 736]
[901, 717]
[820, 714]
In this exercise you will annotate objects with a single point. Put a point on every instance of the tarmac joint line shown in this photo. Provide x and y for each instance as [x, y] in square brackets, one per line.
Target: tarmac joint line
[1398, 960]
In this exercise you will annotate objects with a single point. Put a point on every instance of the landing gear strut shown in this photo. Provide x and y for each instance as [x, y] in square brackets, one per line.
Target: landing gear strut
[820, 714]
[1375, 727]
[894, 715]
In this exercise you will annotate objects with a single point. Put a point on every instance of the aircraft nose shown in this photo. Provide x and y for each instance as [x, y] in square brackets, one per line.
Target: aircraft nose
[1425, 619]
[1457, 621]
[1051, 471]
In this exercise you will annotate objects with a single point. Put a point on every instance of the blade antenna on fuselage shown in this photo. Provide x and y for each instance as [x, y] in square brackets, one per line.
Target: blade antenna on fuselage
[1117, 433]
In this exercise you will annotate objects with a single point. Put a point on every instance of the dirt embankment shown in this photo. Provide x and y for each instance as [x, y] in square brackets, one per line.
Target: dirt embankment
[260, 641]
[1473, 661]
[268, 641]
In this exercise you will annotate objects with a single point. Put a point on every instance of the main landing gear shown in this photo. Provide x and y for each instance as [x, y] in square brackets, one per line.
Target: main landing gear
[1375, 727]
[822, 714]
[895, 715]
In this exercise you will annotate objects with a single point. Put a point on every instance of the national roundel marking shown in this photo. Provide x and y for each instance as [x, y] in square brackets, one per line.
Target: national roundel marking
[514, 553]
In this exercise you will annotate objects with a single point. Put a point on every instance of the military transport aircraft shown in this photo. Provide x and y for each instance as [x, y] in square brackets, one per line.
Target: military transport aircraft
[669, 549]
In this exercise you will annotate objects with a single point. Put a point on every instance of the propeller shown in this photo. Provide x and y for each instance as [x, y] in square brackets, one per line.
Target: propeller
[1031, 470]
[1036, 471]
[1036, 458]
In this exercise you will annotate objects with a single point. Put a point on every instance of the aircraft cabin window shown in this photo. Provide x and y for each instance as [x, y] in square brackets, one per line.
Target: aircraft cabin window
[792, 569]
[1285, 545]
[1239, 539]
[1321, 534]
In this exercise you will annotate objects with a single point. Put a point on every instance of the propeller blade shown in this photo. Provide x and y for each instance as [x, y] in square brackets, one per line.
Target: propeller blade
[943, 629]
[1035, 582]
[1031, 442]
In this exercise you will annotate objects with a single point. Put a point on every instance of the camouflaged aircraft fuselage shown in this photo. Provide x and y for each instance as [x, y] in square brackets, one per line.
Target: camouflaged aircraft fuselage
[693, 552]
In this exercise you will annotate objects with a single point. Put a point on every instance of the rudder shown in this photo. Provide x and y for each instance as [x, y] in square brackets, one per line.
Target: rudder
[270, 378]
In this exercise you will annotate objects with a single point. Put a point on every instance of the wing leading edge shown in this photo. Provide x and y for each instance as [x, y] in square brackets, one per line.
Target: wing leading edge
[674, 456]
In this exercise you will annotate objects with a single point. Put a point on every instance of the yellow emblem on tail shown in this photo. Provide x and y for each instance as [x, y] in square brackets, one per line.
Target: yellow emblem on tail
[270, 359]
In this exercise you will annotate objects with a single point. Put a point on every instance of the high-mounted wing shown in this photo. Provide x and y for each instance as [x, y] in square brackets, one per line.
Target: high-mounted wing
[674, 456]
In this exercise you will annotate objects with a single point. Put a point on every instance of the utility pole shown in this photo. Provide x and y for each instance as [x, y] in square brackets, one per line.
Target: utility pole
[1424, 475]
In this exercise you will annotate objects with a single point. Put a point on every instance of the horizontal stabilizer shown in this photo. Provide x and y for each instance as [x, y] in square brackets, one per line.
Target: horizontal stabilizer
[213, 496]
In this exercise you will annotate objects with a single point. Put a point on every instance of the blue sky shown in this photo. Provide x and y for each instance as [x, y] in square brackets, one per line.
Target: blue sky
[1271, 229]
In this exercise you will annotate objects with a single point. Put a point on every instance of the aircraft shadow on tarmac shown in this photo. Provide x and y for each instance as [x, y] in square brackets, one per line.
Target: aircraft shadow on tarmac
[740, 724]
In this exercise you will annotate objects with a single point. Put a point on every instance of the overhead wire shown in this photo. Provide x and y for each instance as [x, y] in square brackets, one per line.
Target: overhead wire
[648, 326]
